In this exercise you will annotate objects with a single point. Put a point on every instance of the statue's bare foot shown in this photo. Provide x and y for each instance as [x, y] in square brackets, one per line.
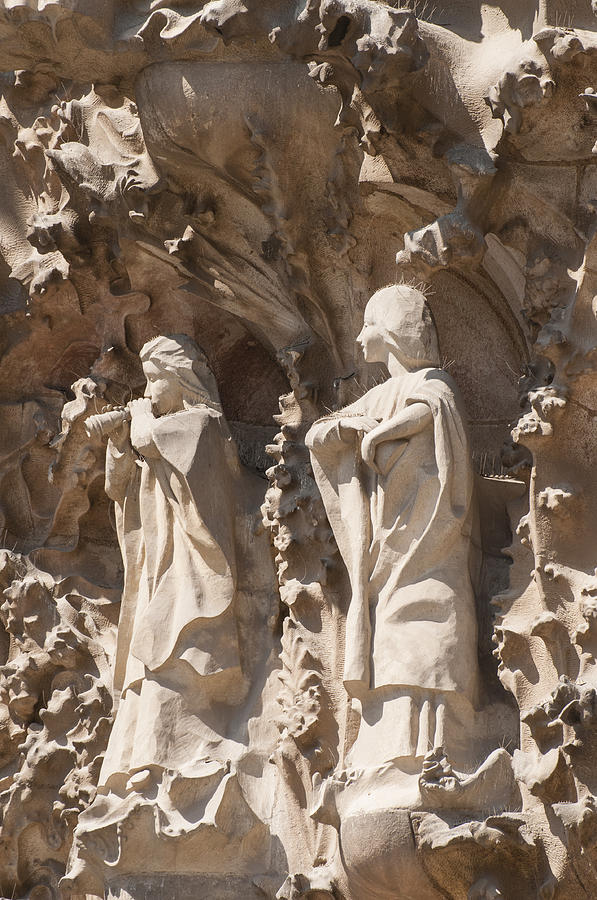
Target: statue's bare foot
[492, 785]
[438, 783]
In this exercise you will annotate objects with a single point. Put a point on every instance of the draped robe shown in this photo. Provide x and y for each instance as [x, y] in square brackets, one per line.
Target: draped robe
[175, 516]
[405, 538]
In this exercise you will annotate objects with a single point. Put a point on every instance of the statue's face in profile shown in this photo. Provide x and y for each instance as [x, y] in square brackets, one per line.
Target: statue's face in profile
[162, 388]
[397, 323]
[371, 337]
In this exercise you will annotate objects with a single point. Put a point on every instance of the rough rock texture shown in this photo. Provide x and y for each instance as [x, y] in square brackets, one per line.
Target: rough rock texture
[197, 202]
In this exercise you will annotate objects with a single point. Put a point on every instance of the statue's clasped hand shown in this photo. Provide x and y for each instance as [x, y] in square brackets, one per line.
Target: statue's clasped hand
[382, 447]
[142, 419]
[379, 453]
[356, 424]
[140, 407]
[368, 450]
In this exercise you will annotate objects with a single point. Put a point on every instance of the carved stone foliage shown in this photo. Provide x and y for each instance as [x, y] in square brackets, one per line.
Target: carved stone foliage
[55, 687]
[298, 629]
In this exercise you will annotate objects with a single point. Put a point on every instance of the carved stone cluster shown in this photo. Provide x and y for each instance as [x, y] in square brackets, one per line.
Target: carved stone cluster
[246, 174]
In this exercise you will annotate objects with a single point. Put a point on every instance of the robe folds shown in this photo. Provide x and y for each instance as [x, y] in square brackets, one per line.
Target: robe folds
[405, 538]
[175, 516]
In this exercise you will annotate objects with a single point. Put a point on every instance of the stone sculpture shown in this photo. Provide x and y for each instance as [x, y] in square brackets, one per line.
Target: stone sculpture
[173, 472]
[338, 665]
[395, 476]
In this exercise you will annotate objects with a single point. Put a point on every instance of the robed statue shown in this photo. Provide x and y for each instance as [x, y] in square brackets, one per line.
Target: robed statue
[173, 472]
[395, 475]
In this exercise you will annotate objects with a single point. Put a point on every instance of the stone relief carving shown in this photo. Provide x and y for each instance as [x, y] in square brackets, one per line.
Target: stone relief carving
[55, 685]
[395, 476]
[173, 472]
[289, 624]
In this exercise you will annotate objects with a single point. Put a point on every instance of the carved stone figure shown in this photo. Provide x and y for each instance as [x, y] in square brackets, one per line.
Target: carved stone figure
[237, 661]
[173, 472]
[395, 475]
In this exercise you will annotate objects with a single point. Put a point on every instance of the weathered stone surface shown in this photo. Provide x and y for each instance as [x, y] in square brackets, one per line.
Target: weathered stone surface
[298, 393]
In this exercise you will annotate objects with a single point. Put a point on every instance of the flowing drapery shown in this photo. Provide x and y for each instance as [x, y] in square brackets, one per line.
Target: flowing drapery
[175, 514]
[405, 538]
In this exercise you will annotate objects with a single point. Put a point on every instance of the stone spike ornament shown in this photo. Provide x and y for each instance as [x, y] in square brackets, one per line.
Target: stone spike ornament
[298, 396]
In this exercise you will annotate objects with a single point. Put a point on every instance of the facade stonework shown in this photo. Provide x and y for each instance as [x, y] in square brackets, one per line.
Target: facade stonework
[298, 441]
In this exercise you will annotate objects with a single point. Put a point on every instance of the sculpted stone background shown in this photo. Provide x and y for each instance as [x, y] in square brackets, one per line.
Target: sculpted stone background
[285, 614]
